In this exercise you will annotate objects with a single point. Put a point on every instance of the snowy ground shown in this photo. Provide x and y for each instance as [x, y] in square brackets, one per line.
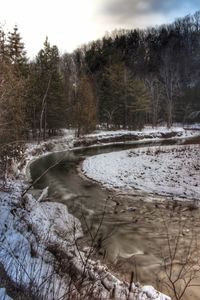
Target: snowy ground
[147, 130]
[195, 126]
[3, 295]
[39, 252]
[172, 170]
[146, 135]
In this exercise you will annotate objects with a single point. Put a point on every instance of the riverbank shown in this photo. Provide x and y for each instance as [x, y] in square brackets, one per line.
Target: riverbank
[40, 229]
[170, 170]
[156, 225]
[145, 135]
[40, 256]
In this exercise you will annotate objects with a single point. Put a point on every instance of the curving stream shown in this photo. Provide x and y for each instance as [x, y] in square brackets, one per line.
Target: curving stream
[128, 231]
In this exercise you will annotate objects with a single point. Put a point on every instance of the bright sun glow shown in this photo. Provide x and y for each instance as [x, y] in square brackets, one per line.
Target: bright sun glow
[68, 24]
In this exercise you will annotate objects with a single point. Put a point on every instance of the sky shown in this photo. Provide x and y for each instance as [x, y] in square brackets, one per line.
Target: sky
[71, 23]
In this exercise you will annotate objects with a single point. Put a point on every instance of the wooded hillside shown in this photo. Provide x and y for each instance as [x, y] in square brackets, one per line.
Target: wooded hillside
[127, 79]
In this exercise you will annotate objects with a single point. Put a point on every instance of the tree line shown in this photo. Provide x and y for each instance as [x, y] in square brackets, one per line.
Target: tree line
[127, 79]
[146, 76]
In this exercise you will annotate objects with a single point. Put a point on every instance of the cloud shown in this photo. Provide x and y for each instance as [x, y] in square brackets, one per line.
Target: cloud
[125, 10]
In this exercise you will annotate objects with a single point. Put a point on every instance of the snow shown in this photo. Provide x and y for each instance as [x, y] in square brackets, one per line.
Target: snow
[3, 295]
[165, 170]
[195, 126]
[154, 132]
[149, 291]
[28, 263]
[148, 134]
[32, 233]
[50, 218]
[17, 245]
[61, 143]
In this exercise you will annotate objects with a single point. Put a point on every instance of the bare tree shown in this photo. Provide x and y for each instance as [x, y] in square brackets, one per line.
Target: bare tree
[180, 269]
[43, 111]
[154, 87]
[169, 75]
[109, 115]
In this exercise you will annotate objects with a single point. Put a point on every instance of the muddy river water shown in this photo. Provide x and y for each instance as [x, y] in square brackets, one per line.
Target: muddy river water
[142, 236]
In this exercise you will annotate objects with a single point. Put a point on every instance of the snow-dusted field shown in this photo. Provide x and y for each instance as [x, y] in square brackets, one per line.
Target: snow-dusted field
[171, 170]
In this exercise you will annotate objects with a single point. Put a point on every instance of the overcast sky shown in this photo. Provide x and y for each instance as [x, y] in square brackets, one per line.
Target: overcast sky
[70, 23]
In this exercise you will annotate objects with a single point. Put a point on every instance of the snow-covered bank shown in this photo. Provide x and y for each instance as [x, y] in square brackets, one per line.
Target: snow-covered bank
[38, 239]
[39, 252]
[147, 134]
[33, 236]
[163, 170]
[22, 252]
[195, 126]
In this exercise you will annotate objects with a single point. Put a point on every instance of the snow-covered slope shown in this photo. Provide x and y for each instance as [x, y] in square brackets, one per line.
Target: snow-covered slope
[34, 234]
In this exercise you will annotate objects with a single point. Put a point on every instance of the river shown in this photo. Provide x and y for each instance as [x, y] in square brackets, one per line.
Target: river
[128, 231]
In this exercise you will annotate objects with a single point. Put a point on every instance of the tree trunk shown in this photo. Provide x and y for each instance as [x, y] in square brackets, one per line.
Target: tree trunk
[43, 112]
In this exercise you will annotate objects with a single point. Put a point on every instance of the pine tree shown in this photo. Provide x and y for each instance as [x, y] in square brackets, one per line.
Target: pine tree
[16, 51]
[3, 50]
[113, 95]
[12, 117]
[125, 98]
[45, 92]
[12, 88]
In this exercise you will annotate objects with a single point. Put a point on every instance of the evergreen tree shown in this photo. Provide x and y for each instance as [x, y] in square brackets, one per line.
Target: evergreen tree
[3, 50]
[16, 51]
[12, 92]
[45, 92]
[12, 116]
[124, 99]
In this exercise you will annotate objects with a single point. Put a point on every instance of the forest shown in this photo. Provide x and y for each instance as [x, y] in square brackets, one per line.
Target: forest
[114, 213]
[127, 79]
